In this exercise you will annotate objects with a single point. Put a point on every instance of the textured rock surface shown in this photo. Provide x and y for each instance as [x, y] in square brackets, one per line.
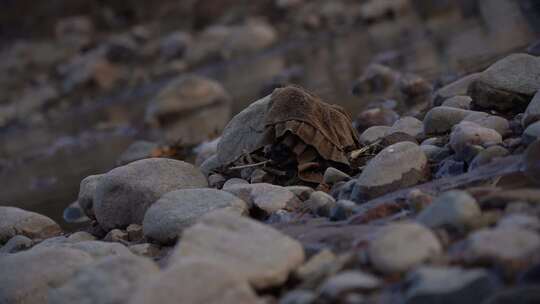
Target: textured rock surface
[267, 197]
[15, 221]
[468, 134]
[373, 134]
[453, 208]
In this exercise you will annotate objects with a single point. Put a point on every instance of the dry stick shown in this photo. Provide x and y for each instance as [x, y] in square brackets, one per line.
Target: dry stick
[250, 165]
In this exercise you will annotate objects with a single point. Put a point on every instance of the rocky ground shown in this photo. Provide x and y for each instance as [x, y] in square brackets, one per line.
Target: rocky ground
[430, 196]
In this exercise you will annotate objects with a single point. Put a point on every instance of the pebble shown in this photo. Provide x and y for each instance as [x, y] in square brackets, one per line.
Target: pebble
[124, 194]
[116, 235]
[450, 167]
[301, 192]
[145, 249]
[468, 134]
[333, 175]
[532, 113]
[15, 221]
[315, 264]
[74, 214]
[240, 245]
[233, 182]
[397, 166]
[373, 134]
[342, 210]
[175, 211]
[497, 123]
[174, 44]
[299, 296]
[459, 101]
[486, 156]
[348, 281]
[441, 119]
[267, 197]
[135, 232]
[96, 249]
[16, 244]
[531, 133]
[453, 208]
[447, 285]
[320, 203]
[138, 150]
[375, 117]
[408, 125]
[456, 88]
[523, 221]
[401, 246]
[435, 153]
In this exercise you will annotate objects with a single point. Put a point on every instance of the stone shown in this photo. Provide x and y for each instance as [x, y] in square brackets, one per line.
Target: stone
[333, 175]
[15, 221]
[203, 282]
[377, 79]
[87, 190]
[244, 132]
[189, 102]
[174, 45]
[280, 216]
[450, 285]
[459, 101]
[531, 133]
[441, 119]
[241, 246]
[16, 244]
[348, 281]
[401, 246]
[501, 244]
[450, 167]
[531, 161]
[342, 210]
[74, 214]
[373, 134]
[435, 153]
[125, 193]
[108, 280]
[138, 150]
[210, 165]
[532, 113]
[517, 295]
[499, 199]
[299, 296]
[175, 211]
[458, 87]
[301, 192]
[375, 117]
[468, 134]
[95, 249]
[27, 276]
[523, 221]
[205, 150]
[497, 123]
[320, 203]
[397, 166]
[453, 208]
[315, 264]
[487, 97]
[135, 232]
[75, 32]
[267, 197]
[260, 176]
[234, 181]
[116, 235]
[146, 250]
[408, 125]
[484, 157]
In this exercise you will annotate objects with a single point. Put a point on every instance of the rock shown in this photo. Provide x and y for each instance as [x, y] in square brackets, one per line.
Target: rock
[95, 249]
[441, 119]
[402, 246]
[16, 244]
[523, 221]
[138, 150]
[116, 235]
[468, 134]
[414, 89]
[484, 157]
[377, 79]
[205, 151]
[135, 232]
[450, 167]
[177, 210]
[233, 182]
[87, 190]
[190, 102]
[499, 199]
[532, 113]
[315, 264]
[174, 44]
[333, 175]
[517, 295]
[348, 281]
[532, 133]
[260, 176]
[241, 246]
[497, 123]
[15, 221]
[342, 210]
[73, 238]
[109, 280]
[203, 282]
[453, 208]
[375, 117]
[301, 192]
[267, 197]
[501, 244]
[459, 101]
[487, 97]
[244, 132]
[124, 194]
[146, 250]
[408, 125]
[299, 296]
[280, 216]
[459, 87]
[74, 214]
[397, 166]
[28, 275]
[434, 153]
[374, 134]
[450, 285]
[532, 162]
[209, 165]
[418, 200]
[320, 203]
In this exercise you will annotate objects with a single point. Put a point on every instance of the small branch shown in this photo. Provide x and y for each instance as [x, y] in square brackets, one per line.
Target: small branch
[250, 165]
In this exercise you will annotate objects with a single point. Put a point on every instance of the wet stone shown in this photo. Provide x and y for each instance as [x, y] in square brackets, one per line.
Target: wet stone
[408, 125]
[266, 197]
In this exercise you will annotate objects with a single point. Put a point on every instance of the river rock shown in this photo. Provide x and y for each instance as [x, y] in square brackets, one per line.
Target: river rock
[15, 221]
[450, 285]
[441, 119]
[301, 192]
[374, 134]
[484, 157]
[348, 281]
[532, 133]
[401, 246]
[333, 175]
[108, 280]
[174, 45]
[497, 123]
[375, 117]
[453, 208]
[145, 250]
[87, 190]
[124, 194]
[203, 282]
[299, 296]
[27, 276]
[459, 101]
[397, 166]
[175, 211]
[16, 244]
[95, 249]
[267, 197]
[468, 134]
[458, 87]
[524, 221]
[190, 102]
[138, 150]
[487, 97]
[241, 245]
[532, 113]
[408, 125]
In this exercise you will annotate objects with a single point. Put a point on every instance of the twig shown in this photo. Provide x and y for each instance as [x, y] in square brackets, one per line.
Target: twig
[250, 165]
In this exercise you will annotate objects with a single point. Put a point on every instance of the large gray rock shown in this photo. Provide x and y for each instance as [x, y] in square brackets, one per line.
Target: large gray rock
[267, 197]
[255, 252]
[175, 211]
[244, 132]
[450, 285]
[397, 166]
[452, 208]
[402, 246]
[124, 194]
[87, 190]
[532, 113]
[27, 276]
[111, 280]
[15, 221]
[196, 281]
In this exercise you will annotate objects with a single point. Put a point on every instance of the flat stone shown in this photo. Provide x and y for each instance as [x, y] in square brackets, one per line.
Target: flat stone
[459, 101]
[267, 197]
[349, 281]
[234, 181]
[397, 166]
[450, 285]
[15, 221]
[175, 211]
[241, 245]
[373, 134]
[458, 87]
[124, 194]
[333, 175]
[203, 282]
[453, 208]
[108, 280]
[468, 134]
[532, 113]
[532, 133]
[402, 246]
[408, 125]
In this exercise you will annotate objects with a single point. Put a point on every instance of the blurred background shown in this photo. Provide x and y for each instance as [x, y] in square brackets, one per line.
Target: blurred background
[78, 77]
